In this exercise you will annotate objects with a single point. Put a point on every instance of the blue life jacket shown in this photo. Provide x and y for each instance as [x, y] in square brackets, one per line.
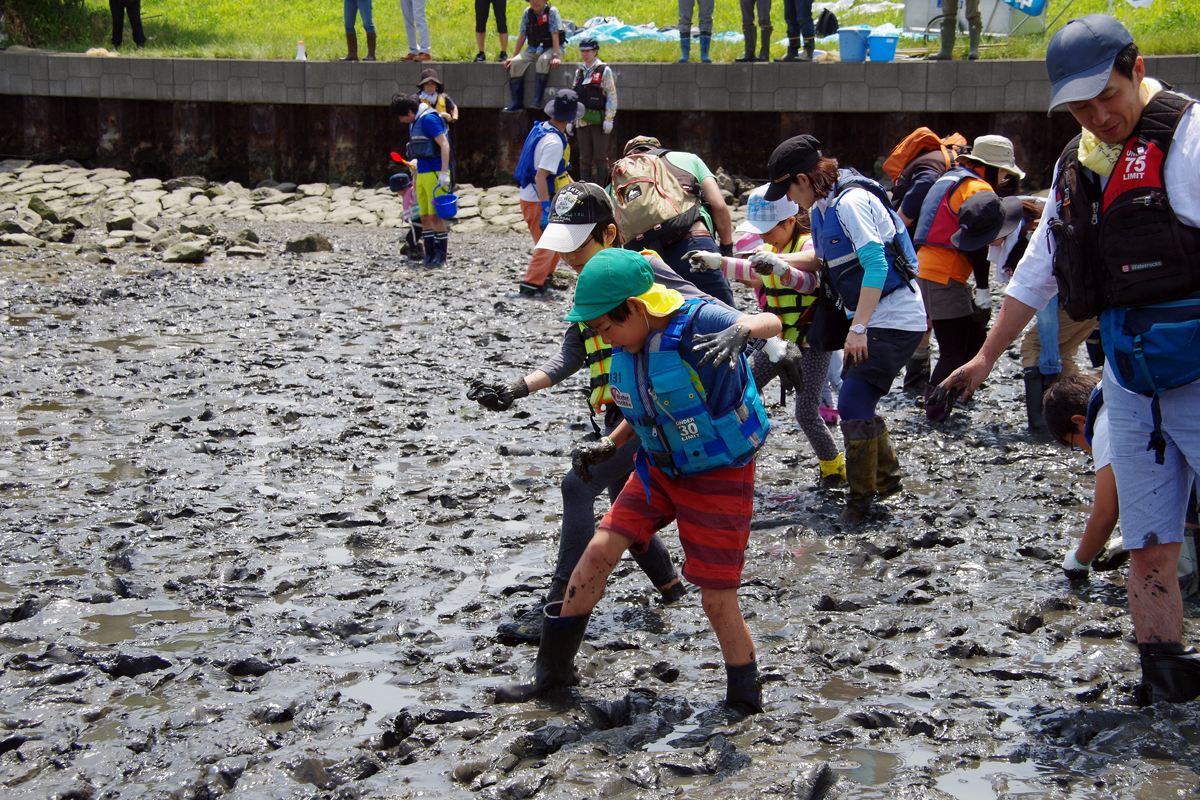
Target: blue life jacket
[1095, 403]
[934, 229]
[840, 265]
[526, 171]
[662, 398]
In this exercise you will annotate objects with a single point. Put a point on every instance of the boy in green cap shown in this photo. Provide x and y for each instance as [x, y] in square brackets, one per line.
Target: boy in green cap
[682, 382]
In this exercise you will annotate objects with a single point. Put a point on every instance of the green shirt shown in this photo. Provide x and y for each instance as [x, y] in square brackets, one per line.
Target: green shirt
[694, 165]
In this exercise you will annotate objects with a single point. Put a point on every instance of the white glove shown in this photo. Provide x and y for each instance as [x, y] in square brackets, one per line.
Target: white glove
[983, 298]
[765, 263]
[444, 179]
[1071, 566]
[775, 348]
[607, 126]
[570, 128]
[703, 259]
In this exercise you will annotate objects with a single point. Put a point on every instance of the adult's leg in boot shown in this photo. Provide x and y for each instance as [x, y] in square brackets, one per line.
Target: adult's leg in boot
[516, 90]
[743, 690]
[656, 562]
[975, 29]
[705, 44]
[810, 48]
[949, 29]
[750, 40]
[528, 626]
[555, 665]
[1035, 388]
[916, 371]
[793, 50]
[861, 462]
[764, 53]
[1170, 673]
[685, 46]
[539, 90]
[117, 9]
[370, 47]
[351, 46]
[887, 463]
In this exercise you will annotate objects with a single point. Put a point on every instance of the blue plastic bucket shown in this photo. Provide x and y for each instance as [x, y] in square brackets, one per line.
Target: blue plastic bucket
[882, 47]
[852, 43]
[446, 205]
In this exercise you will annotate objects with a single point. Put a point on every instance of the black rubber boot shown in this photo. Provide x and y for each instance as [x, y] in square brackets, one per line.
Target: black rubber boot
[764, 54]
[516, 88]
[793, 50]
[1170, 673]
[743, 690]
[810, 48]
[555, 665]
[528, 626]
[1035, 387]
[751, 40]
[539, 91]
[916, 372]
[677, 591]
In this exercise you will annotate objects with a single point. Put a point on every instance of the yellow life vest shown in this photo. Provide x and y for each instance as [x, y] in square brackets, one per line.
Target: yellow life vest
[599, 362]
[562, 180]
[786, 303]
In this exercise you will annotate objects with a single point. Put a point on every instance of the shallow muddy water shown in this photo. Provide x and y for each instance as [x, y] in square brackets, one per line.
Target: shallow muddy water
[256, 543]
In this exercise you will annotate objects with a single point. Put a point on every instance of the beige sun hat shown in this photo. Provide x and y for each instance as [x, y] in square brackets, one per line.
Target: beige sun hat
[995, 151]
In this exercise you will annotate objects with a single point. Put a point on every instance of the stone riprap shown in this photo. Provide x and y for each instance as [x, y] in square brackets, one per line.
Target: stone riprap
[48, 202]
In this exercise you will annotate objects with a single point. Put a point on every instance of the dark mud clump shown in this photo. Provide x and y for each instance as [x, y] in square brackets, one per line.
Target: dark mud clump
[256, 544]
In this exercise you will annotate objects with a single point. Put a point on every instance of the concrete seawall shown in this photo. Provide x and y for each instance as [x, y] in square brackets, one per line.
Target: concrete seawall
[312, 120]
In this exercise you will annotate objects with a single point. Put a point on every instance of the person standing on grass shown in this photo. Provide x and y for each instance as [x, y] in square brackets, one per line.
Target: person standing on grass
[685, 28]
[134, 8]
[542, 30]
[351, 9]
[800, 29]
[416, 29]
[598, 92]
[481, 17]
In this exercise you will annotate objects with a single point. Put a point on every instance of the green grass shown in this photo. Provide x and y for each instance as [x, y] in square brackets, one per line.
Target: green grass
[271, 28]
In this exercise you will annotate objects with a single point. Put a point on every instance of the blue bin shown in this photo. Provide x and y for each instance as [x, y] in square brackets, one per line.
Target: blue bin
[882, 47]
[445, 205]
[852, 43]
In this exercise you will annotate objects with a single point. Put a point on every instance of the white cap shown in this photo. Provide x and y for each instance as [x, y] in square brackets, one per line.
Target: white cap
[763, 214]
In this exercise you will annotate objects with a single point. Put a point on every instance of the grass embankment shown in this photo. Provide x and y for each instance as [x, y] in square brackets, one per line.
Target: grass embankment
[271, 28]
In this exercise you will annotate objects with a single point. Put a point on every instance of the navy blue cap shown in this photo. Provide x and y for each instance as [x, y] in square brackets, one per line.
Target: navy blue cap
[1080, 57]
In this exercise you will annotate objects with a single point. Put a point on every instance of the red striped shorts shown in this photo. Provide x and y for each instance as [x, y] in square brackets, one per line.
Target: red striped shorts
[713, 513]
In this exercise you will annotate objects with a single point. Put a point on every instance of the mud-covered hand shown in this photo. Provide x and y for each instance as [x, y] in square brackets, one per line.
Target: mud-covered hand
[703, 259]
[789, 368]
[1072, 568]
[721, 347]
[590, 453]
[497, 396]
[1114, 556]
[765, 263]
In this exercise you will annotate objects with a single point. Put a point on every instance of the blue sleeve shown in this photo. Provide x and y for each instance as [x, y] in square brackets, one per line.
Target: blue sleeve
[874, 264]
[432, 125]
[921, 183]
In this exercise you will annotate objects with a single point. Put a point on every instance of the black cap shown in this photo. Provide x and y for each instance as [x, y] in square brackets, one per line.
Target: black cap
[575, 212]
[589, 43]
[985, 217]
[795, 156]
[565, 107]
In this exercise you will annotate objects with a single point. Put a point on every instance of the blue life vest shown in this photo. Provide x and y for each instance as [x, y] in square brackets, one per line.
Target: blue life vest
[934, 228]
[841, 268]
[662, 398]
[526, 170]
[1095, 403]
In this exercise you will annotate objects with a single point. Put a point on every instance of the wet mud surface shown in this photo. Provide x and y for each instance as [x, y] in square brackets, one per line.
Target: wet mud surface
[256, 544]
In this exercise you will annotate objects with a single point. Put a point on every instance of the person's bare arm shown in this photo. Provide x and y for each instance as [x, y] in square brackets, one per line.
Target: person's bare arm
[761, 326]
[539, 183]
[1103, 519]
[537, 380]
[622, 434]
[444, 144]
[710, 191]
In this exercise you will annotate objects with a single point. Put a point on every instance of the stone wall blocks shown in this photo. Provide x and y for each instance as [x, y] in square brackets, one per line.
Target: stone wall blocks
[881, 99]
[963, 98]
[275, 92]
[913, 101]
[39, 67]
[145, 89]
[1014, 96]
[883, 75]
[938, 101]
[990, 98]
[831, 97]
[855, 97]
[943, 76]
[142, 69]
[59, 69]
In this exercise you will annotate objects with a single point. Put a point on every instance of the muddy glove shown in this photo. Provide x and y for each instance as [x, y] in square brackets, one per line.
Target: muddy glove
[1072, 568]
[1114, 556]
[497, 396]
[703, 259]
[588, 454]
[726, 249]
[607, 126]
[444, 179]
[791, 376]
[775, 348]
[545, 214]
[983, 298]
[722, 347]
[765, 263]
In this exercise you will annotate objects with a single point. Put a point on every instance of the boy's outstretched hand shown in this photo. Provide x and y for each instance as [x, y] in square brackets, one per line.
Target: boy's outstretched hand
[721, 347]
[590, 453]
[497, 396]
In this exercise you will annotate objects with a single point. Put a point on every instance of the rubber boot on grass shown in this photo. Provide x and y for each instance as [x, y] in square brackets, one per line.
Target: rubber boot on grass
[539, 90]
[810, 49]
[833, 472]
[793, 50]
[370, 47]
[705, 42]
[1170, 673]
[1035, 387]
[750, 41]
[555, 665]
[685, 48]
[516, 89]
[743, 690]
[975, 29]
[887, 465]
[764, 53]
[351, 46]
[528, 626]
[862, 456]
[949, 29]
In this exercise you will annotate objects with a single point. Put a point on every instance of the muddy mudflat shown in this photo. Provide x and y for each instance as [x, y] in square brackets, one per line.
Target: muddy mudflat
[256, 543]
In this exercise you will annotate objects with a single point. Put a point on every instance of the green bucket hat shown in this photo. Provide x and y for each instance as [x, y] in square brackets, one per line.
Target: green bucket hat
[608, 279]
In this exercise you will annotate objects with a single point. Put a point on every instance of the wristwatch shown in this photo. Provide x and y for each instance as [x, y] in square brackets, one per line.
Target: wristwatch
[858, 328]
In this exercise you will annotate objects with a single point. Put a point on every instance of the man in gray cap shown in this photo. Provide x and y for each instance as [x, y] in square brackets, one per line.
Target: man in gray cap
[1120, 238]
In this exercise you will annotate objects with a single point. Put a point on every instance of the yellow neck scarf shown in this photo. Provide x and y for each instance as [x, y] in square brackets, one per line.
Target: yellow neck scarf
[1101, 158]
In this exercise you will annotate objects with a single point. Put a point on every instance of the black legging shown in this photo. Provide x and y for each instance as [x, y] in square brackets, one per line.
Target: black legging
[958, 339]
[481, 15]
[118, 9]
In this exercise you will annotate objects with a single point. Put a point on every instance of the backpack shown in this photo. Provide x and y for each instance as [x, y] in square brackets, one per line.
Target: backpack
[916, 144]
[655, 202]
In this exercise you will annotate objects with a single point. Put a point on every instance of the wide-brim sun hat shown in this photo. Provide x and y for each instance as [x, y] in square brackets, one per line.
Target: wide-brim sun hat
[430, 75]
[762, 214]
[1080, 57]
[995, 151]
[565, 107]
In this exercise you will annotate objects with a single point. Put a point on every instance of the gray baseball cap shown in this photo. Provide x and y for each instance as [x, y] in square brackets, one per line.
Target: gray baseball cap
[1080, 58]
